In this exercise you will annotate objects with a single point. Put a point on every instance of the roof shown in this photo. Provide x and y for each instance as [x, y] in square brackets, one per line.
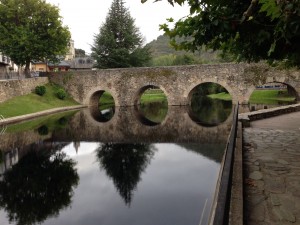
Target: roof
[86, 62]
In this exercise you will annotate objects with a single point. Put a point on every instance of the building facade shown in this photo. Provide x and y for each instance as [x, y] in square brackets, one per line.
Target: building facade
[81, 63]
[71, 53]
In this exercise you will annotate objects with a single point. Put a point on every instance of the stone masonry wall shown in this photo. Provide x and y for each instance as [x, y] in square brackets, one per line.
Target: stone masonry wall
[13, 88]
[177, 82]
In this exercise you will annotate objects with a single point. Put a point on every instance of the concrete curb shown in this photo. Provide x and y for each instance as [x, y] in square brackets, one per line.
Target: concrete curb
[38, 114]
[246, 118]
[236, 215]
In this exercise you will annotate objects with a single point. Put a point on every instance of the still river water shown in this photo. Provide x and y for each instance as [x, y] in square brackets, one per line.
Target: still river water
[146, 165]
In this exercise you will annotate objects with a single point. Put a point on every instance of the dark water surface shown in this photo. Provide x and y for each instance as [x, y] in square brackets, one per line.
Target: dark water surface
[137, 167]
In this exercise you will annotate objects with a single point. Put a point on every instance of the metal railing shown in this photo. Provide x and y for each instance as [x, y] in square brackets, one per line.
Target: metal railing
[221, 204]
[11, 75]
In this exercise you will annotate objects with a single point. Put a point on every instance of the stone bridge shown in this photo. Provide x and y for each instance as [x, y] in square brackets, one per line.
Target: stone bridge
[178, 82]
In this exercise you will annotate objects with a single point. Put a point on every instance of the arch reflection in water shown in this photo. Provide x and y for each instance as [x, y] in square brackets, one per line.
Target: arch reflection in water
[151, 106]
[104, 110]
[206, 107]
[210, 112]
[124, 164]
[38, 186]
[152, 113]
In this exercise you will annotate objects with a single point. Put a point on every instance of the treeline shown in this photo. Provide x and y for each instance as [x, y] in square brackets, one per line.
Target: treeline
[164, 55]
[209, 88]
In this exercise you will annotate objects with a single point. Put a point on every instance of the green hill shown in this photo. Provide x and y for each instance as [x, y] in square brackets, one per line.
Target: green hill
[165, 55]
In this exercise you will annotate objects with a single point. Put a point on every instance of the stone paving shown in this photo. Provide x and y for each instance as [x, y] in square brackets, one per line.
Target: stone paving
[271, 156]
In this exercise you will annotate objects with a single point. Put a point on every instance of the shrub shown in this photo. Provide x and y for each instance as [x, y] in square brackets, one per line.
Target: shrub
[40, 90]
[62, 121]
[43, 130]
[61, 94]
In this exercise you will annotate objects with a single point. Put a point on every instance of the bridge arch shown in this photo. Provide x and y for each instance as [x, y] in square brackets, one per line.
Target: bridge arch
[141, 90]
[92, 96]
[290, 88]
[189, 92]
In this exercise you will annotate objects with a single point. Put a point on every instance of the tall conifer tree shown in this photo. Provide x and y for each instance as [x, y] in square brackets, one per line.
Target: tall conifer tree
[119, 42]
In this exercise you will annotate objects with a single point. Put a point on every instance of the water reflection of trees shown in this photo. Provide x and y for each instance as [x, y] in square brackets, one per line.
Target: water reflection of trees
[212, 151]
[208, 111]
[37, 187]
[152, 113]
[124, 164]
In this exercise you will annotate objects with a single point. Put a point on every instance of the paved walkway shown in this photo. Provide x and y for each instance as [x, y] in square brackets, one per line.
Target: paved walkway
[272, 171]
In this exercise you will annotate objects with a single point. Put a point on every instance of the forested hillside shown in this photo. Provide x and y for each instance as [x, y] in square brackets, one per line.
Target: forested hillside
[164, 55]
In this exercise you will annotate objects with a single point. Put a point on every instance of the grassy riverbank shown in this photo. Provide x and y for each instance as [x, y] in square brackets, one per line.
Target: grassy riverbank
[270, 96]
[151, 95]
[31, 103]
[260, 96]
[222, 96]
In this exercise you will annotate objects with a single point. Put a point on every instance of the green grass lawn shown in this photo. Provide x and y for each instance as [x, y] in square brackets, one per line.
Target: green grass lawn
[260, 96]
[270, 96]
[106, 99]
[31, 103]
[221, 96]
[153, 95]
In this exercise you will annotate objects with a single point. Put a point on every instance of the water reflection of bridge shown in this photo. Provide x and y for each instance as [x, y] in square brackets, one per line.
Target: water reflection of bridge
[126, 127]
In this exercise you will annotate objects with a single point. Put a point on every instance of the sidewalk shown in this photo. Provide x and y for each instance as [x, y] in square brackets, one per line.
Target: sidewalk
[272, 171]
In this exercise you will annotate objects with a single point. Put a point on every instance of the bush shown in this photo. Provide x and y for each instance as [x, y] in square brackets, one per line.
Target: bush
[62, 121]
[43, 130]
[40, 90]
[61, 94]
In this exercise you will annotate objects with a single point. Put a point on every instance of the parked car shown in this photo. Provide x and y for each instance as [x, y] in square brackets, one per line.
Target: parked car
[34, 74]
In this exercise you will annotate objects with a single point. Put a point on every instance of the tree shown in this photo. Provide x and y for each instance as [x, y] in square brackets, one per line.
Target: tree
[249, 30]
[124, 164]
[31, 30]
[40, 185]
[79, 52]
[119, 42]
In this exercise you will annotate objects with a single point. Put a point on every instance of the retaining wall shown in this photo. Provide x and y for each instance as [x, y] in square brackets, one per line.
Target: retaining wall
[13, 88]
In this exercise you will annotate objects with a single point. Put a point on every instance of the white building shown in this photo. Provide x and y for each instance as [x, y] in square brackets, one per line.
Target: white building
[71, 53]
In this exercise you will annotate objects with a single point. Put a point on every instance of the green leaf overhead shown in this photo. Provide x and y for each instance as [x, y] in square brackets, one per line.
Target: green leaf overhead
[249, 30]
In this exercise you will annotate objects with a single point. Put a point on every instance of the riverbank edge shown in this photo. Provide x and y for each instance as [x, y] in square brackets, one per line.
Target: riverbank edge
[39, 114]
[236, 216]
[246, 118]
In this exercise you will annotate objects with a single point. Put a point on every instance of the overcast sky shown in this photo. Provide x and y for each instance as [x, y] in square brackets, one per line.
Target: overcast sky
[85, 17]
